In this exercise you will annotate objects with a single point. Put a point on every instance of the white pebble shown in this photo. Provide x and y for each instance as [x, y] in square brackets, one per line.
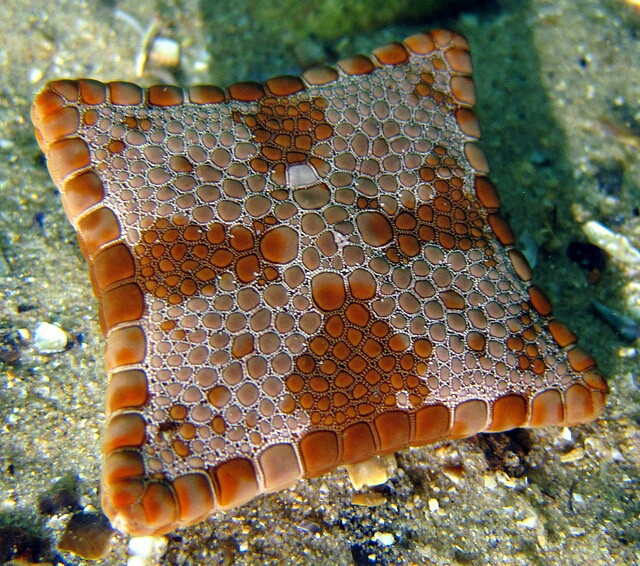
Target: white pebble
[489, 481]
[146, 551]
[385, 539]
[49, 338]
[529, 522]
[565, 434]
[35, 75]
[165, 52]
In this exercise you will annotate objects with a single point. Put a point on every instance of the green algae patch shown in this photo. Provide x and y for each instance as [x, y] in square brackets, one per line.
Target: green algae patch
[330, 19]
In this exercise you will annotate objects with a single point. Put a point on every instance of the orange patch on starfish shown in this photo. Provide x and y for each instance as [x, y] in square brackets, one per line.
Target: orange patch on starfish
[298, 275]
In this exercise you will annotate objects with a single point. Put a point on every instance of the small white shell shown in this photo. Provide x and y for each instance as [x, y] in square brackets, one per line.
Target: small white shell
[164, 52]
[49, 338]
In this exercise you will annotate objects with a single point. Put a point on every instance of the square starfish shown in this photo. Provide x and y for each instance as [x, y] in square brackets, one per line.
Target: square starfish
[299, 275]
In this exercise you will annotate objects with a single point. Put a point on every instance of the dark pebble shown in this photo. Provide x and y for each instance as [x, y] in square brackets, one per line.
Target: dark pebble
[87, 535]
[587, 256]
[359, 555]
[610, 179]
[62, 501]
[9, 355]
[507, 451]
[18, 544]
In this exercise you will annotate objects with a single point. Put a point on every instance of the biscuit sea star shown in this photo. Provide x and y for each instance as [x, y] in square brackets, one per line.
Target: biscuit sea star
[298, 275]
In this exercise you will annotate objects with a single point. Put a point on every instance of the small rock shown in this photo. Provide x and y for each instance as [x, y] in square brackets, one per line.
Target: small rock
[507, 481]
[87, 535]
[370, 472]
[573, 455]
[35, 75]
[61, 501]
[50, 338]
[9, 354]
[489, 481]
[434, 506]
[11, 345]
[164, 52]
[144, 551]
[628, 352]
[587, 255]
[529, 522]
[385, 539]
[610, 178]
[566, 434]
[310, 527]
[368, 499]
[455, 472]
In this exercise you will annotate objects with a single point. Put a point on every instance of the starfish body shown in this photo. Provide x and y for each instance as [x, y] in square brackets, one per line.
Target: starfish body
[298, 275]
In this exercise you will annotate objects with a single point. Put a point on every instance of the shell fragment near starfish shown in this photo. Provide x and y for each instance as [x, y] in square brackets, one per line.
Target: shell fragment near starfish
[299, 275]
